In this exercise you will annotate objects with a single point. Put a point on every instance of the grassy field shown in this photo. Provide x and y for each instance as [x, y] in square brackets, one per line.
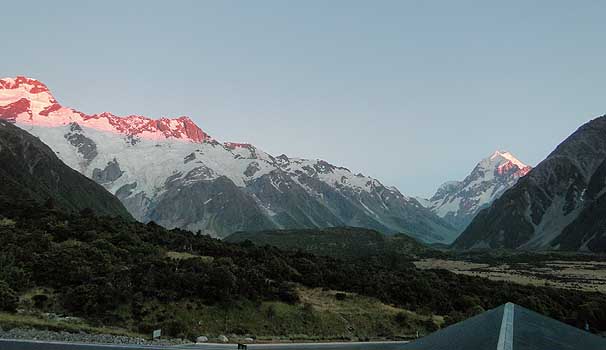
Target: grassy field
[570, 274]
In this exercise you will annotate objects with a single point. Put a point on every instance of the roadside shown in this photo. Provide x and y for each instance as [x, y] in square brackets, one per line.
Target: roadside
[82, 337]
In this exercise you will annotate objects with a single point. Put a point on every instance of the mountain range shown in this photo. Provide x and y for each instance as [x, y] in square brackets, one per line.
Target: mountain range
[173, 173]
[560, 204]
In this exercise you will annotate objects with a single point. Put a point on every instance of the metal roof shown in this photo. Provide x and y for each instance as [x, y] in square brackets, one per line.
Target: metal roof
[509, 327]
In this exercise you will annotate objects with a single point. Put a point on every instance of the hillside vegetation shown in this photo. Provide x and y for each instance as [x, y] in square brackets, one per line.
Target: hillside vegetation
[115, 272]
[340, 242]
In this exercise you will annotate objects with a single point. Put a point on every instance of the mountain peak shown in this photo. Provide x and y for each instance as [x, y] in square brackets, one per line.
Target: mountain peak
[507, 156]
[501, 163]
[459, 201]
[30, 85]
[27, 100]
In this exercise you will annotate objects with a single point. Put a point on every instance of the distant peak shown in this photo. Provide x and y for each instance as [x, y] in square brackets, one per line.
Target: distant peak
[31, 85]
[507, 156]
[503, 163]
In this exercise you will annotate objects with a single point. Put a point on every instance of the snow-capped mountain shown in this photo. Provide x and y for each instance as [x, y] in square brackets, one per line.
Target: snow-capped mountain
[560, 204]
[459, 201]
[171, 172]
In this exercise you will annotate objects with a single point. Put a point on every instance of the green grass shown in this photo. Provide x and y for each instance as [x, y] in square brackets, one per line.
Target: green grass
[9, 321]
[319, 316]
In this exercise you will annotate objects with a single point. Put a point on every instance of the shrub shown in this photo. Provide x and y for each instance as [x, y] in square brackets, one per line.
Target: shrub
[430, 325]
[40, 300]
[308, 308]
[402, 319]
[8, 298]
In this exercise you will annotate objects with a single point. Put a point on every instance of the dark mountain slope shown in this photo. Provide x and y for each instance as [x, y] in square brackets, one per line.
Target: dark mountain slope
[590, 226]
[31, 170]
[555, 205]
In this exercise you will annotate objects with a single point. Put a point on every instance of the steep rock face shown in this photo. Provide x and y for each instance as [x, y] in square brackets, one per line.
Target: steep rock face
[172, 172]
[459, 201]
[31, 170]
[556, 206]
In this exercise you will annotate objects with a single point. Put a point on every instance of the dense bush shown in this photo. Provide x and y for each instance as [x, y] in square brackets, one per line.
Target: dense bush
[105, 268]
[402, 318]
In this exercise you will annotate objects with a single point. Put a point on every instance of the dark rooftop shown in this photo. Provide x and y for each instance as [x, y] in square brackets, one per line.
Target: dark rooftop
[509, 327]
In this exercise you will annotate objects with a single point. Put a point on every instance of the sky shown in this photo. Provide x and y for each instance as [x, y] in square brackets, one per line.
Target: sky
[413, 93]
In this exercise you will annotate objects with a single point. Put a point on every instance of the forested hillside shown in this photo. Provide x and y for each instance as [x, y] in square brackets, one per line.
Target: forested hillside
[113, 271]
[340, 242]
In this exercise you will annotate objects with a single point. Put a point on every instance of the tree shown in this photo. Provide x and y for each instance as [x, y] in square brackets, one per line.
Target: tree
[340, 296]
[402, 319]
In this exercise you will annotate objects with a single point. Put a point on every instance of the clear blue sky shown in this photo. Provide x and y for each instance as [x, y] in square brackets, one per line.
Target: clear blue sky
[413, 93]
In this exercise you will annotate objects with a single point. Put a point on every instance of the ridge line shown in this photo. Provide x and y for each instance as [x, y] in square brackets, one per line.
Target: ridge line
[506, 333]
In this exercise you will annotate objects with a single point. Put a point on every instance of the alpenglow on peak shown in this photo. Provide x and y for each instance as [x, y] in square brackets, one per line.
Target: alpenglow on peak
[29, 101]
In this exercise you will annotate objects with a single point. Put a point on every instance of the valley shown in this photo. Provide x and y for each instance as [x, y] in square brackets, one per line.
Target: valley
[170, 171]
[583, 275]
[310, 251]
[140, 277]
[324, 175]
